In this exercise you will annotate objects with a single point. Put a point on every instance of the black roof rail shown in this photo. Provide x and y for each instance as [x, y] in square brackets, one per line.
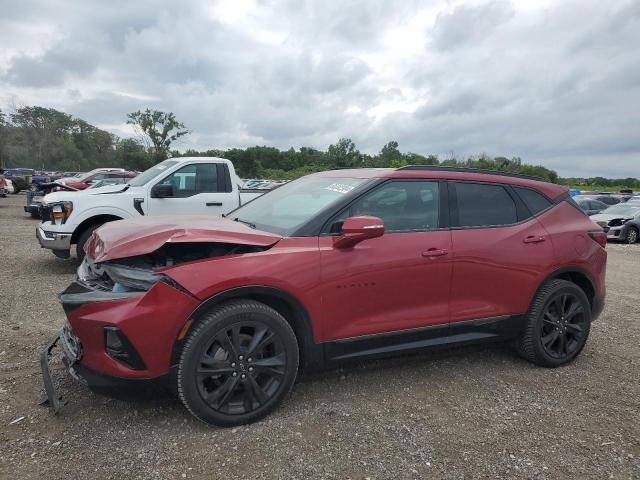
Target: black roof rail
[472, 170]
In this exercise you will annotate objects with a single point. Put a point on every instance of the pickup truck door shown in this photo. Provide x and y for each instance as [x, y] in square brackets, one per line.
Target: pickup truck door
[198, 189]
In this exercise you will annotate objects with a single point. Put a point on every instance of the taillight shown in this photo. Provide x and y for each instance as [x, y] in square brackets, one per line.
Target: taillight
[600, 237]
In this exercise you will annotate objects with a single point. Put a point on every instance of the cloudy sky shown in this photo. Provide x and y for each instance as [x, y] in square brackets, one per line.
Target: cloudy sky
[554, 82]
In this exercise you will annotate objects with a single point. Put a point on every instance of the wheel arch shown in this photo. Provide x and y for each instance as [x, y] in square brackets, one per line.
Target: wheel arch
[294, 312]
[90, 222]
[574, 274]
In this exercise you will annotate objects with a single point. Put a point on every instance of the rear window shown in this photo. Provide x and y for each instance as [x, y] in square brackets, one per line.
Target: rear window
[484, 205]
[535, 202]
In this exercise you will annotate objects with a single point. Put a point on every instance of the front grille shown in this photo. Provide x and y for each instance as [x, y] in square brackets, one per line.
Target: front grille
[45, 213]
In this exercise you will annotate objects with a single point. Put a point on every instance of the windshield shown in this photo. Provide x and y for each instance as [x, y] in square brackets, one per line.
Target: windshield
[286, 208]
[151, 173]
[625, 210]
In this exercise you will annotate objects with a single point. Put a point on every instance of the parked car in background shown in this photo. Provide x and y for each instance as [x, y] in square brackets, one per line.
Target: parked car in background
[186, 185]
[110, 181]
[87, 180]
[4, 186]
[19, 183]
[83, 181]
[609, 199]
[335, 266]
[591, 206]
[9, 186]
[620, 222]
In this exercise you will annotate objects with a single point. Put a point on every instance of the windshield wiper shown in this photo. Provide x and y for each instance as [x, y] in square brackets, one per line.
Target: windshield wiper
[245, 222]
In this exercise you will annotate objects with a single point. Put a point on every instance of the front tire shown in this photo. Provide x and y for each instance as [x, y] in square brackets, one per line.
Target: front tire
[632, 235]
[557, 325]
[237, 364]
[82, 239]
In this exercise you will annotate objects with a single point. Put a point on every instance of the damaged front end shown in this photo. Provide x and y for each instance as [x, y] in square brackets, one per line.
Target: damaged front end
[124, 313]
[140, 273]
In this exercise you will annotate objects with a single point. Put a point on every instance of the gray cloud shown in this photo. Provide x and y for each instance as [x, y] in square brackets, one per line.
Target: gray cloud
[555, 84]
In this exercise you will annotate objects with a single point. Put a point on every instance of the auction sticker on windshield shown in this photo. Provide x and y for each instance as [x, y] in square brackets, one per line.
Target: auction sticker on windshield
[339, 187]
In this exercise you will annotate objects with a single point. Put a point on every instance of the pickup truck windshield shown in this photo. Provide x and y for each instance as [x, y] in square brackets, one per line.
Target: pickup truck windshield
[286, 208]
[151, 173]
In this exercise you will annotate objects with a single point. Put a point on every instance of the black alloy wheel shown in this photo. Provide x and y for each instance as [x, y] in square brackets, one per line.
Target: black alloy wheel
[237, 364]
[241, 368]
[557, 326]
[563, 326]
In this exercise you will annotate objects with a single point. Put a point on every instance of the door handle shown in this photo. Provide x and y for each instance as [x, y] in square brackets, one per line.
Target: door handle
[434, 252]
[534, 239]
[214, 204]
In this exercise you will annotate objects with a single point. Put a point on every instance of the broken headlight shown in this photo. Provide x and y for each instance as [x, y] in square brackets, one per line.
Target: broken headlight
[128, 279]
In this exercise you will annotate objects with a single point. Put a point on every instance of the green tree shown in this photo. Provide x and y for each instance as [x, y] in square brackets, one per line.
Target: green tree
[390, 155]
[157, 130]
[43, 127]
[344, 155]
[132, 155]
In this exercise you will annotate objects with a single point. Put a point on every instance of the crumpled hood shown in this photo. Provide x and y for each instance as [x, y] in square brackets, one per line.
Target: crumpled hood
[606, 217]
[139, 236]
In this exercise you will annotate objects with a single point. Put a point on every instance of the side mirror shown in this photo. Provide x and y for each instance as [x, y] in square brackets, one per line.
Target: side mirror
[162, 190]
[357, 229]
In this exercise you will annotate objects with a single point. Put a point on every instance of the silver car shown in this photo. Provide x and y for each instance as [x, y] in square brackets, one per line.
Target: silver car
[621, 222]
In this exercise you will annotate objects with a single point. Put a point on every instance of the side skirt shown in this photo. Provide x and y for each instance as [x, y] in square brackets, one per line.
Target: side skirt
[492, 329]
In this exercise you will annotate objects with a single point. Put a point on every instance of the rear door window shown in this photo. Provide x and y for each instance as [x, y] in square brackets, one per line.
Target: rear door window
[484, 205]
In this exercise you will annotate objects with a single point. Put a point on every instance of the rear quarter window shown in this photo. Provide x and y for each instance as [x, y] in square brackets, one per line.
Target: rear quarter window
[535, 201]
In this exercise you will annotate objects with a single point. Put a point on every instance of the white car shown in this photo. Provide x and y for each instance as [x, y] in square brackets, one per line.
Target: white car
[9, 188]
[187, 185]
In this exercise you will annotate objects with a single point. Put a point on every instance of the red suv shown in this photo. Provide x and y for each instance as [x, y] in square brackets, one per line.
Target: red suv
[335, 266]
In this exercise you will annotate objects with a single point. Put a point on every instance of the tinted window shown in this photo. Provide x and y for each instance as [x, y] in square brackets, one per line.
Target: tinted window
[402, 205]
[536, 202]
[193, 179]
[482, 205]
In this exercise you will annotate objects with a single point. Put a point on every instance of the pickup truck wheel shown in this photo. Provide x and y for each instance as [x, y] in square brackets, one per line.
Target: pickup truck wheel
[82, 239]
[557, 325]
[237, 364]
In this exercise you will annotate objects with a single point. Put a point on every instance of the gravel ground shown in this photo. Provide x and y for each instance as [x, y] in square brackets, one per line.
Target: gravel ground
[475, 412]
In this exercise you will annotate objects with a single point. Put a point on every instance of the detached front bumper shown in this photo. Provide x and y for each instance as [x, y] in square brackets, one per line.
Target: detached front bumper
[71, 354]
[80, 373]
[59, 242]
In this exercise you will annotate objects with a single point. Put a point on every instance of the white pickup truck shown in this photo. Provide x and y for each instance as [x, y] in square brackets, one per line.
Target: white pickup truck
[186, 185]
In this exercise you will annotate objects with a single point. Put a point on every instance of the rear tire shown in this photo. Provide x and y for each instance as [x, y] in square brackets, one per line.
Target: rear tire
[556, 326]
[237, 364]
[82, 239]
[632, 235]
